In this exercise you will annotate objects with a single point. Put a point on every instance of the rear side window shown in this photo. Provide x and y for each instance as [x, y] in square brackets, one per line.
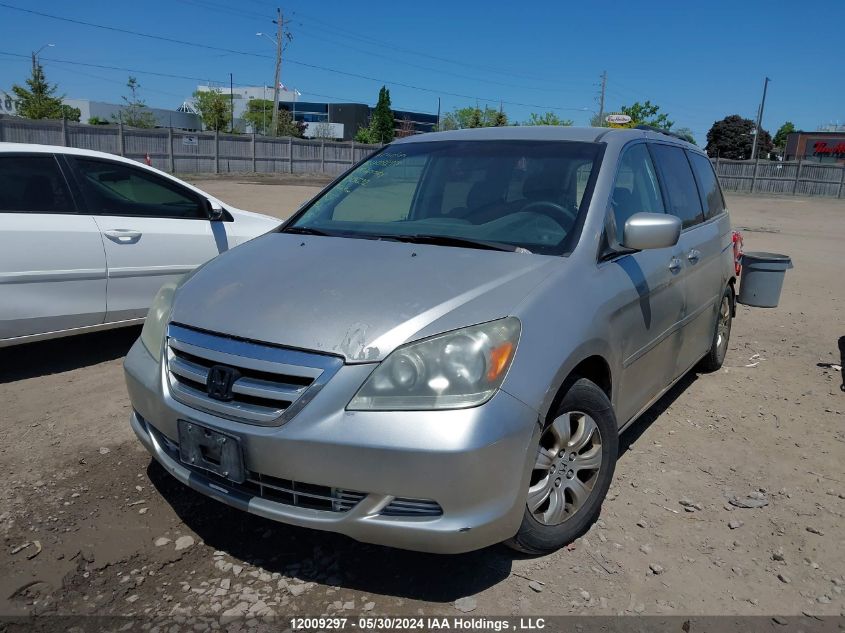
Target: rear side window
[636, 189]
[711, 195]
[33, 184]
[113, 188]
[679, 184]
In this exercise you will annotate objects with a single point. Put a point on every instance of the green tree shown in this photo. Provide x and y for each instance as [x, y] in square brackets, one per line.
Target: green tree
[382, 121]
[135, 113]
[733, 136]
[214, 108]
[471, 117]
[95, 120]
[365, 135]
[549, 118]
[39, 101]
[286, 126]
[780, 136]
[259, 114]
[647, 114]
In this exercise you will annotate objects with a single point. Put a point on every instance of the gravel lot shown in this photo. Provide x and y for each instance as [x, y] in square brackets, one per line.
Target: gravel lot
[106, 531]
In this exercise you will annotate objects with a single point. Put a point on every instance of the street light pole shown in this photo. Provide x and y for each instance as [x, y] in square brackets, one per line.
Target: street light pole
[35, 56]
[759, 120]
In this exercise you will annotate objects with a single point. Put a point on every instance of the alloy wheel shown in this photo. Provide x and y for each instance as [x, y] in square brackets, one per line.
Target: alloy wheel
[723, 328]
[566, 469]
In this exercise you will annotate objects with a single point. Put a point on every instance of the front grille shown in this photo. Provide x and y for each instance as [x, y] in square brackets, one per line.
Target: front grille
[274, 383]
[284, 491]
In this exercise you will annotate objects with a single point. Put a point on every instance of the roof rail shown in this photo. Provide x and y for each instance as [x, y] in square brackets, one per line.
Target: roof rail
[651, 128]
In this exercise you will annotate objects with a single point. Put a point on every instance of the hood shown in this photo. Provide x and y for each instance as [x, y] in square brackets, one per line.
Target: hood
[357, 298]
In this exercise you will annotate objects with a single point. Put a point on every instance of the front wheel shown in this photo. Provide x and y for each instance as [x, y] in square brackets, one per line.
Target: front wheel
[573, 468]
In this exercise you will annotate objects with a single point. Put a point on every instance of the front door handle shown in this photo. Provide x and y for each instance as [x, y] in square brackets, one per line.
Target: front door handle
[675, 264]
[123, 236]
[693, 256]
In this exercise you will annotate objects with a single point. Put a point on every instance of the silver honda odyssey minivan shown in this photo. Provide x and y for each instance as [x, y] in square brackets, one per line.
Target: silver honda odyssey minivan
[439, 351]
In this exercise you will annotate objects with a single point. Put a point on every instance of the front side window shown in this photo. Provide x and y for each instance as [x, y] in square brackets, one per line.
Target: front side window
[525, 194]
[679, 183]
[636, 189]
[113, 188]
[33, 184]
[711, 194]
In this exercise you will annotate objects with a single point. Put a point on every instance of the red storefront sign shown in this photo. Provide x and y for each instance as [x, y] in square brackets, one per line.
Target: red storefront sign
[821, 147]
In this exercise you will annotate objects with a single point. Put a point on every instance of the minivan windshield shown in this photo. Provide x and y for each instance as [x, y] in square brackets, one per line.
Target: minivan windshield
[483, 194]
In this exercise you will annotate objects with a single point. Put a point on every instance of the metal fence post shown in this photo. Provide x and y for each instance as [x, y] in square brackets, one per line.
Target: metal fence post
[797, 176]
[322, 156]
[2, 129]
[754, 175]
[64, 131]
[120, 139]
[841, 181]
[290, 154]
[253, 153]
[352, 155]
[170, 161]
[216, 152]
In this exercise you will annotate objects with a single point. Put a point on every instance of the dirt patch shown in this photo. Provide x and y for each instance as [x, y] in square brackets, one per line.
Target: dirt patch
[768, 427]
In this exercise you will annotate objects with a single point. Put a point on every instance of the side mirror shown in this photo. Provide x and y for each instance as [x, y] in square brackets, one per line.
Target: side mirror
[215, 211]
[651, 230]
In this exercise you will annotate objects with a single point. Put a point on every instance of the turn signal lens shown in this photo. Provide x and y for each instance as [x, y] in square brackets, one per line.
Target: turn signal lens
[500, 358]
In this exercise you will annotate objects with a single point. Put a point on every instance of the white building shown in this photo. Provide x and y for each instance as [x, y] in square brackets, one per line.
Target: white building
[242, 95]
[8, 103]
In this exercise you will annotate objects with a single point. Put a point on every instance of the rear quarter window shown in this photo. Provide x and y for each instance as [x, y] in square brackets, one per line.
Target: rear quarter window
[679, 183]
[33, 184]
[708, 185]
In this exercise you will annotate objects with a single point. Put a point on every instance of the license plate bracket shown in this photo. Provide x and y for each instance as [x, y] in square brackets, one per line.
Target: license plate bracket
[211, 450]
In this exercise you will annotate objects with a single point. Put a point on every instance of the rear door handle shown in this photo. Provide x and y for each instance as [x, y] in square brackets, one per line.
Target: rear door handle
[693, 256]
[123, 236]
[675, 264]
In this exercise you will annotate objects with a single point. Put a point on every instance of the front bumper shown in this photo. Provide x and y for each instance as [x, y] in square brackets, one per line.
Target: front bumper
[475, 463]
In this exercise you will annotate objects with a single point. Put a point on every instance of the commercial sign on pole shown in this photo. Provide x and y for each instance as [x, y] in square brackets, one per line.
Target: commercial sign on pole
[618, 120]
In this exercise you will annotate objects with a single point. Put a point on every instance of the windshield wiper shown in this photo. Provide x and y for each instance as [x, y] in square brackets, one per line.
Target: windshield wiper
[306, 230]
[450, 240]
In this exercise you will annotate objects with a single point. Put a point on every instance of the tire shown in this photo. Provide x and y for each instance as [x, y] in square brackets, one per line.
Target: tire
[566, 491]
[721, 335]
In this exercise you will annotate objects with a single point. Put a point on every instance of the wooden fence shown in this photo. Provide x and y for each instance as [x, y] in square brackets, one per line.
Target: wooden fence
[794, 178]
[181, 152]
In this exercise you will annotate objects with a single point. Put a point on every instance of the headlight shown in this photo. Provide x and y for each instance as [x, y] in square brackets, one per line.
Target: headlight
[152, 336]
[459, 369]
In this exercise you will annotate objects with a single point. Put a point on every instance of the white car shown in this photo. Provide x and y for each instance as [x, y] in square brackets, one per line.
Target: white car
[88, 238]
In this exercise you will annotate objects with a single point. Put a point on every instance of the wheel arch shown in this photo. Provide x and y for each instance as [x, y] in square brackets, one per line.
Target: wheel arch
[594, 367]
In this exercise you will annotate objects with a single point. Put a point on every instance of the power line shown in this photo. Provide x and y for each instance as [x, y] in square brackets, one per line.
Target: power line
[171, 40]
[207, 80]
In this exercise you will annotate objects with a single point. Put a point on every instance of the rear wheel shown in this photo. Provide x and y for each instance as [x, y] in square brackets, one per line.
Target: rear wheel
[573, 468]
[721, 337]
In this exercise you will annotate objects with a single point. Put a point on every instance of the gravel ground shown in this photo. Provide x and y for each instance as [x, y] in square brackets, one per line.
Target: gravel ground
[91, 526]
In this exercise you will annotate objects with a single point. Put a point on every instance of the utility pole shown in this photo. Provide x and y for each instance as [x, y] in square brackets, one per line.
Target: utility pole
[231, 104]
[280, 26]
[601, 98]
[759, 120]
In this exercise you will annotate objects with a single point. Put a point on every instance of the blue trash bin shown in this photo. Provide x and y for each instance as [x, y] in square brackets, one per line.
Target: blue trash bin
[762, 279]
